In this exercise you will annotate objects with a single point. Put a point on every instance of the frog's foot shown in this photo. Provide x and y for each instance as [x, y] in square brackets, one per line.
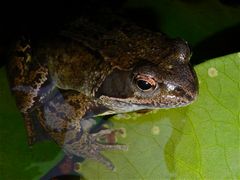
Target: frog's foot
[89, 147]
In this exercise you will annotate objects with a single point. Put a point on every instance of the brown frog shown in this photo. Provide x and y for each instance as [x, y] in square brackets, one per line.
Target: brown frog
[92, 69]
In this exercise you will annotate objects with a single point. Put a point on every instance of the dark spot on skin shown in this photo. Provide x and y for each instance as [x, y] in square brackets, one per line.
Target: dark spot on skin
[34, 86]
[75, 105]
[38, 78]
[35, 99]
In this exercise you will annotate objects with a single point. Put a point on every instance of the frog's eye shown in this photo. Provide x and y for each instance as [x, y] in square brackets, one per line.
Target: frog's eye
[145, 83]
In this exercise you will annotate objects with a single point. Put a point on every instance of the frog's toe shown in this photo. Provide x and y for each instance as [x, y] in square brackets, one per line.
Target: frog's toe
[102, 132]
[103, 160]
[122, 147]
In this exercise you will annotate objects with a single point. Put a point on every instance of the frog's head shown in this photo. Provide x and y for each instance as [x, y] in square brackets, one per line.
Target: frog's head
[164, 82]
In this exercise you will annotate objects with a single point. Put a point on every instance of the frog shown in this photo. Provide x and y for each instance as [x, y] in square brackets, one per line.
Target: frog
[88, 69]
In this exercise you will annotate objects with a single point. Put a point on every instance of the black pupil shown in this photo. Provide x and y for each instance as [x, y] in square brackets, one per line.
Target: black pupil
[144, 85]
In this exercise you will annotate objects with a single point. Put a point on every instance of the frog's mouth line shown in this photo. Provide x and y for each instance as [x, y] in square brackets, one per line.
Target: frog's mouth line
[119, 105]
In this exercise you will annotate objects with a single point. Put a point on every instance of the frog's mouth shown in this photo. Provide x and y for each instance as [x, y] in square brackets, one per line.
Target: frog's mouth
[119, 105]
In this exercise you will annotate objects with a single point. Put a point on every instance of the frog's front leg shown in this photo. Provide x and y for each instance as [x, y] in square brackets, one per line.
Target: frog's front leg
[68, 118]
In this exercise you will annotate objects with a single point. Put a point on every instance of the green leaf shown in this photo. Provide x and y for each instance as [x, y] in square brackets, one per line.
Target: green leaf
[200, 141]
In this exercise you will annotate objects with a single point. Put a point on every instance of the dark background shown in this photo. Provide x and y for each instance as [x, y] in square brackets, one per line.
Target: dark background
[39, 19]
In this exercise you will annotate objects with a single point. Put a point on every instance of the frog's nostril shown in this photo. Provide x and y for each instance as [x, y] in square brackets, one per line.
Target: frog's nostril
[192, 93]
[191, 96]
